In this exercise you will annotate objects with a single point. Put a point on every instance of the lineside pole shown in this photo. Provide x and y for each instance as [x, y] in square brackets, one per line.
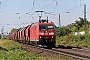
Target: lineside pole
[59, 21]
[85, 16]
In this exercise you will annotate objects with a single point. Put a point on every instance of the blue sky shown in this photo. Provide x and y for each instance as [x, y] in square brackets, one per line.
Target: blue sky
[9, 19]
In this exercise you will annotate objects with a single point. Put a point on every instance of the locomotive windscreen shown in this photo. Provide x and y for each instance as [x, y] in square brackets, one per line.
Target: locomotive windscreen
[46, 27]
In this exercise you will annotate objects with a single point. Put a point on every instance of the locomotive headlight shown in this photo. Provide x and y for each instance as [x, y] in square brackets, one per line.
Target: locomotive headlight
[51, 33]
[52, 36]
[40, 37]
[41, 33]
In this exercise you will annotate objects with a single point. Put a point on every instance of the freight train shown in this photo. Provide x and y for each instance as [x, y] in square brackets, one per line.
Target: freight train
[39, 33]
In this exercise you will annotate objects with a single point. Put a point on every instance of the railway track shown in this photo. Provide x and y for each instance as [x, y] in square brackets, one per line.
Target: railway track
[76, 53]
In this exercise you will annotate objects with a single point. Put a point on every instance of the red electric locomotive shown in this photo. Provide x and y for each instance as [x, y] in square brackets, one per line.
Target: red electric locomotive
[40, 33]
[43, 32]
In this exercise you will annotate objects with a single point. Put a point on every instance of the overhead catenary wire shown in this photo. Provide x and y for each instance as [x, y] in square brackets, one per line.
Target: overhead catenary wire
[3, 6]
[75, 7]
[72, 8]
[48, 4]
[33, 4]
[56, 4]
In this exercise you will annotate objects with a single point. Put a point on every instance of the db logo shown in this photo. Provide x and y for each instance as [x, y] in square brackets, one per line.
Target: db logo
[46, 33]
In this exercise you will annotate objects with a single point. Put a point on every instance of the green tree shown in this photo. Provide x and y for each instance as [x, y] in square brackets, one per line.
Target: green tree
[79, 25]
[81, 22]
[13, 30]
[62, 31]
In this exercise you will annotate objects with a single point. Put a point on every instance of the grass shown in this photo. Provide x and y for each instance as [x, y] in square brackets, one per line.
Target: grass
[10, 50]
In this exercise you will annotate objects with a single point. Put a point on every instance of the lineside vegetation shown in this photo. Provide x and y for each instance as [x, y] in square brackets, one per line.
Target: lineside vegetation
[66, 34]
[10, 50]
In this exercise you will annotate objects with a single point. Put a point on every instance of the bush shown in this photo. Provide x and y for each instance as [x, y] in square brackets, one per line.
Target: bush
[61, 40]
[62, 31]
[76, 40]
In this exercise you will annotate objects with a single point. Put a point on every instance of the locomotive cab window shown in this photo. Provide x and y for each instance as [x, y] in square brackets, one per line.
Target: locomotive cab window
[46, 27]
[50, 27]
